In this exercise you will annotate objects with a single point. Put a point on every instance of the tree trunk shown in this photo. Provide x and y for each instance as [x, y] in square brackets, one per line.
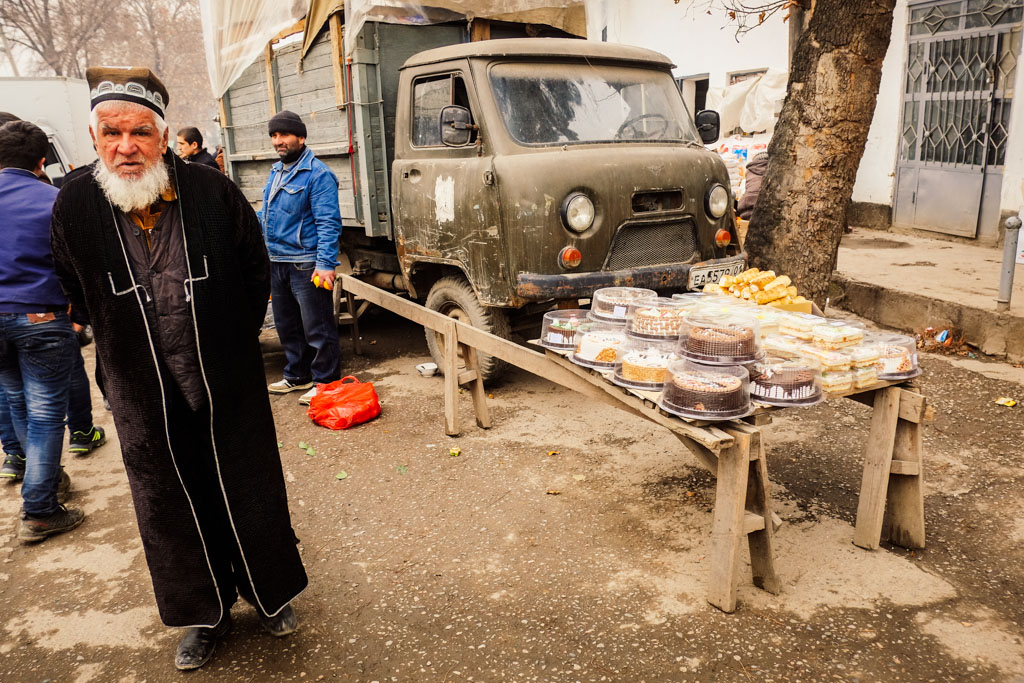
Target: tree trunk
[818, 142]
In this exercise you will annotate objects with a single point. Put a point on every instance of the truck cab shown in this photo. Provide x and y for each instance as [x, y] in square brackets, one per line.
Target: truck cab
[543, 169]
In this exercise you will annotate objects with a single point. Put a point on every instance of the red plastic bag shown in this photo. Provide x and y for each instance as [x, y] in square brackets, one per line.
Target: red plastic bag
[344, 403]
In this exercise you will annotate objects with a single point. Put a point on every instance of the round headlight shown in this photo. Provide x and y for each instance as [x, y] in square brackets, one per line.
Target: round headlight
[578, 212]
[717, 201]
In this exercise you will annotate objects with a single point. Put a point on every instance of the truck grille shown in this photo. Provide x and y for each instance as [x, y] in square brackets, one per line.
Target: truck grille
[653, 244]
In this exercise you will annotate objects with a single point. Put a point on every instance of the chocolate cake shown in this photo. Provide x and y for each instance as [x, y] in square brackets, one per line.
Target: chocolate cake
[718, 342]
[697, 392]
[786, 385]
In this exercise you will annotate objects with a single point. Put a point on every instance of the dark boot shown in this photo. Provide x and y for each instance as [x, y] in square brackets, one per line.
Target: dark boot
[284, 623]
[196, 648]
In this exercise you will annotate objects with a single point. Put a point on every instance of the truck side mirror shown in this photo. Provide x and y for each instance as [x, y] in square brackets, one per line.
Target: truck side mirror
[456, 126]
[708, 124]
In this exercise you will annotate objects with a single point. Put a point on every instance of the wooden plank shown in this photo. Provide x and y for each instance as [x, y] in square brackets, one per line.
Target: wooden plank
[476, 387]
[337, 63]
[563, 373]
[727, 527]
[297, 27]
[752, 522]
[451, 382]
[877, 466]
[912, 405]
[268, 65]
[904, 524]
[761, 541]
[906, 468]
[467, 376]
[480, 30]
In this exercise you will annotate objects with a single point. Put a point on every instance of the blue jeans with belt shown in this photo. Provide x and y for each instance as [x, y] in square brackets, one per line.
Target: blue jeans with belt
[304, 317]
[35, 371]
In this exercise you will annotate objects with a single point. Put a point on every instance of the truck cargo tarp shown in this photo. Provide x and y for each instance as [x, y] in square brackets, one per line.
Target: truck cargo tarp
[567, 15]
[751, 105]
[319, 12]
[236, 32]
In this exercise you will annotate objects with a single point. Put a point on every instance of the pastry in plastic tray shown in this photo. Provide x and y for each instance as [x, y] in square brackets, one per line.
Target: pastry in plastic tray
[862, 355]
[644, 364]
[782, 343]
[657, 318]
[800, 325]
[864, 376]
[559, 328]
[611, 303]
[598, 345]
[897, 356]
[834, 361]
[706, 392]
[837, 334]
[786, 381]
[833, 382]
[720, 339]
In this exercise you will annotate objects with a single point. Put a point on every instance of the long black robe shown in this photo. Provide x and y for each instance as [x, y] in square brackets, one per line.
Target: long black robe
[229, 283]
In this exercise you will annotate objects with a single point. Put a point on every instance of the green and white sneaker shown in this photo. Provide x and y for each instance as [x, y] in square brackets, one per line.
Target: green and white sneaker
[13, 468]
[84, 443]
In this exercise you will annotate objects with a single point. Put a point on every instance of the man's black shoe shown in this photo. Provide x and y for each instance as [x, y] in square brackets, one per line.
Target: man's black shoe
[83, 443]
[196, 648]
[34, 529]
[281, 625]
[13, 468]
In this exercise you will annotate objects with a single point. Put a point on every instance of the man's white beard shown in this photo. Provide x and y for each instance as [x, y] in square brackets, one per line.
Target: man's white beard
[136, 194]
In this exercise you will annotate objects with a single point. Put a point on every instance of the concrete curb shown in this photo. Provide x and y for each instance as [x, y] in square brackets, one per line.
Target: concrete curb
[996, 334]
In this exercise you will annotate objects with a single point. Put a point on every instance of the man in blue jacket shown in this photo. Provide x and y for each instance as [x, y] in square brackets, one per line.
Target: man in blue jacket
[301, 225]
[37, 342]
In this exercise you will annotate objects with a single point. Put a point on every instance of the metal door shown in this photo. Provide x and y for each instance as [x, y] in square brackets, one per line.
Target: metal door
[958, 89]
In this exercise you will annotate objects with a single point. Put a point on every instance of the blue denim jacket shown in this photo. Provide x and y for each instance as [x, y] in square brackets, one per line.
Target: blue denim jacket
[301, 221]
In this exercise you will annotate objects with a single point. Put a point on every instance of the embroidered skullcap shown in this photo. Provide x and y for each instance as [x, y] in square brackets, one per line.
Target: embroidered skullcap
[131, 84]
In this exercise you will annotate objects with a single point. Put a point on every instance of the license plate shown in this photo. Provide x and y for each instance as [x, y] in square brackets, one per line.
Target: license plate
[703, 275]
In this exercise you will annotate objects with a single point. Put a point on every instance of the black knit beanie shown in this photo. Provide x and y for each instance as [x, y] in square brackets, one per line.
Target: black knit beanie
[287, 122]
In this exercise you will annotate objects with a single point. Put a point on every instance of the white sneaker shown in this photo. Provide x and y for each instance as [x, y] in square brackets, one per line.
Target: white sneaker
[307, 397]
[284, 387]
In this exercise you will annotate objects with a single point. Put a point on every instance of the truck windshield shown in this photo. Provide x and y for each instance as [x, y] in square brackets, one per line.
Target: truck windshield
[547, 104]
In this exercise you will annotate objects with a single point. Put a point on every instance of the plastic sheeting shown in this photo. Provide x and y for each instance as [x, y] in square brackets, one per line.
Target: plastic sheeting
[567, 15]
[750, 105]
[236, 32]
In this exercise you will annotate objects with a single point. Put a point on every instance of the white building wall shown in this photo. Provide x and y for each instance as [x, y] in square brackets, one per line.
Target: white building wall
[701, 43]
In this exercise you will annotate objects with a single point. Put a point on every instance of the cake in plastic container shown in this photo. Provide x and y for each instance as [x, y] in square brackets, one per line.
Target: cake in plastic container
[786, 381]
[864, 376]
[782, 344]
[657, 318]
[831, 361]
[720, 339]
[837, 334]
[611, 303]
[836, 381]
[598, 345]
[800, 325]
[897, 357]
[643, 364]
[559, 329]
[706, 392]
[768, 319]
[865, 354]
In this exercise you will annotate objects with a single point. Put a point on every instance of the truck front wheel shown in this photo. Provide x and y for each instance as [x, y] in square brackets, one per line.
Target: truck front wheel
[452, 296]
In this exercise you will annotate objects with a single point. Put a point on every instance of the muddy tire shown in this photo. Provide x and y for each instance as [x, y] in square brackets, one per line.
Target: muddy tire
[452, 296]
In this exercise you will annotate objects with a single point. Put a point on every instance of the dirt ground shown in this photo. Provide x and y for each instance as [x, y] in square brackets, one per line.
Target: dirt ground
[427, 567]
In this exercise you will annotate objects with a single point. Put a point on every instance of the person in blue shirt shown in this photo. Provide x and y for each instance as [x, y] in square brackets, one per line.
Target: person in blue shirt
[37, 342]
[301, 224]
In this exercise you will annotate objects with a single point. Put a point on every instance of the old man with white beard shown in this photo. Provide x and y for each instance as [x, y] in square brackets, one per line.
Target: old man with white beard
[167, 260]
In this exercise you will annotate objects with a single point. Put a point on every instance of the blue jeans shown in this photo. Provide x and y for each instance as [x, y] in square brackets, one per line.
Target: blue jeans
[304, 316]
[8, 435]
[35, 369]
[79, 396]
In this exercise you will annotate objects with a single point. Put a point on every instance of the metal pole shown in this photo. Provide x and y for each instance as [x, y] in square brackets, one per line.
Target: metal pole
[1009, 262]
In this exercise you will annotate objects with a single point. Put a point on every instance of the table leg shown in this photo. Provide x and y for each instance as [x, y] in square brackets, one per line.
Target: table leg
[874, 485]
[451, 380]
[728, 526]
[759, 502]
[904, 523]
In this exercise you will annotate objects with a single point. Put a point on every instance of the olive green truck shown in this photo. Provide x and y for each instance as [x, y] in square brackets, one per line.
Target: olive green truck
[492, 179]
